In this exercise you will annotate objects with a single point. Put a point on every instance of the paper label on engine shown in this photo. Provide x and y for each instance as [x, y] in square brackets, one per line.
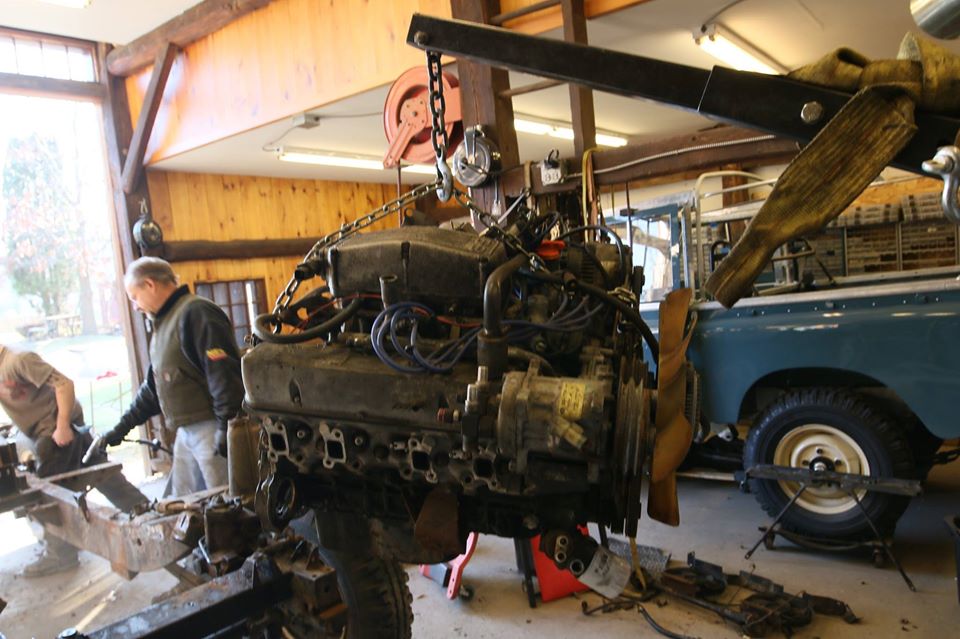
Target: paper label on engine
[571, 400]
[607, 573]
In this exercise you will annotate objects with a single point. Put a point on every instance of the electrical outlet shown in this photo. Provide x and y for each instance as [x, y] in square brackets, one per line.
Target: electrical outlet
[551, 173]
[306, 120]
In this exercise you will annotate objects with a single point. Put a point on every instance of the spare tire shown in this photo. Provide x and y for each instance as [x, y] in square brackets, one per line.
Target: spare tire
[838, 430]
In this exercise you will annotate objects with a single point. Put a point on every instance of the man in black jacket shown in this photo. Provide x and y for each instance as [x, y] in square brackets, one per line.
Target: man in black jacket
[194, 376]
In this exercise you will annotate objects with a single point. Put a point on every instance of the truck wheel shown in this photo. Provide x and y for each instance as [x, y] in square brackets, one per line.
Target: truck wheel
[376, 594]
[838, 430]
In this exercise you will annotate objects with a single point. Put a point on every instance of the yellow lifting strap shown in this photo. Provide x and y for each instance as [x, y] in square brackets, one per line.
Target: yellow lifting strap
[847, 154]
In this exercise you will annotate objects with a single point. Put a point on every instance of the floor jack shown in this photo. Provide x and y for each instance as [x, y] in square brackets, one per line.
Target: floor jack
[450, 574]
[850, 484]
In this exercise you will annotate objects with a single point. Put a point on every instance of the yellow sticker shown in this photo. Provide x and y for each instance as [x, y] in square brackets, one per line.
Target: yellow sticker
[216, 354]
[571, 400]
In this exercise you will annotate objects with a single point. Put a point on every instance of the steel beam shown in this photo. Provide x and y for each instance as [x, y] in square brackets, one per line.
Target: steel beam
[764, 102]
[131, 545]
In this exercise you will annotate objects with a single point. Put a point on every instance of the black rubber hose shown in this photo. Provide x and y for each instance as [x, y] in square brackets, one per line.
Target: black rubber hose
[493, 295]
[621, 250]
[629, 313]
[516, 353]
[263, 325]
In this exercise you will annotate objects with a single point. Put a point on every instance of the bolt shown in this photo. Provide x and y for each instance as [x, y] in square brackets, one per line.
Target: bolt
[302, 433]
[359, 441]
[530, 522]
[819, 467]
[811, 112]
[421, 38]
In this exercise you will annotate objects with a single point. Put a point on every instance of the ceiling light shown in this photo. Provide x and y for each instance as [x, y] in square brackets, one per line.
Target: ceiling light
[72, 4]
[733, 50]
[563, 132]
[325, 158]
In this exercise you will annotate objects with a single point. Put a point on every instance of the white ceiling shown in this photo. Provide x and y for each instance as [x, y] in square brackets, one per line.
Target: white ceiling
[114, 21]
[792, 31]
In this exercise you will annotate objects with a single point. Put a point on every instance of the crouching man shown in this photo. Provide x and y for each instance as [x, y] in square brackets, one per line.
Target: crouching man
[42, 404]
[194, 376]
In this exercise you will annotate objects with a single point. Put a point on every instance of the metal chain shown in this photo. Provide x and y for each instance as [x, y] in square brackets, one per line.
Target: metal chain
[438, 132]
[512, 241]
[345, 231]
[438, 105]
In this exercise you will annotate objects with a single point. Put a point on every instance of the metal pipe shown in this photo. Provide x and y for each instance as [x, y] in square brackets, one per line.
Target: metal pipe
[530, 88]
[939, 18]
[493, 296]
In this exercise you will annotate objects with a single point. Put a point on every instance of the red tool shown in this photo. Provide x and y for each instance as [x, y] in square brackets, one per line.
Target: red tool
[450, 575]
[407, 119]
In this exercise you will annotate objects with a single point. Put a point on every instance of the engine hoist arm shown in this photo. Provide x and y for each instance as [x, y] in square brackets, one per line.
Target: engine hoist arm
[775, 104]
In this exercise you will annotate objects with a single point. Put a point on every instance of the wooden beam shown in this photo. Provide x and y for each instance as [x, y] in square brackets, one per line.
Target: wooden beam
[500, 18]
[682, 154]
[118, 131]
[481, 94]
[36, 85]
[133, 167]
[548, 18]
[203, 250]
[191, 25]
[581, 98]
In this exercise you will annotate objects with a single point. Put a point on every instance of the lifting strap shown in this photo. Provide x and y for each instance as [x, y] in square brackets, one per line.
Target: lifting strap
[847, 154]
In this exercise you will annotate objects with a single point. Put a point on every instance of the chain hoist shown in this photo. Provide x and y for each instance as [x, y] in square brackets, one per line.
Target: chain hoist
[438, 133]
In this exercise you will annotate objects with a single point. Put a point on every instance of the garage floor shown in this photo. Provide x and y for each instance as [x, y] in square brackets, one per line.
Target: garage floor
[718, 523]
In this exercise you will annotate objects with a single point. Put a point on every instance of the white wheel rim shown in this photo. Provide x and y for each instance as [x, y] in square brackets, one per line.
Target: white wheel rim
[802, 447]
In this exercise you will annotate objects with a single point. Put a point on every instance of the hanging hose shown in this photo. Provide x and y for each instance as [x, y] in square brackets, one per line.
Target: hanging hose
[263, 326]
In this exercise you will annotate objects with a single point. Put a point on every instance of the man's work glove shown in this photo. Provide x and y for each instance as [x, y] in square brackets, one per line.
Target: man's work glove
[114, 436]
[220, 442]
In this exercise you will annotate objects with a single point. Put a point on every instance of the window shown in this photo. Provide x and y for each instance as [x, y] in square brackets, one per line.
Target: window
[47, 57]
[241, 300]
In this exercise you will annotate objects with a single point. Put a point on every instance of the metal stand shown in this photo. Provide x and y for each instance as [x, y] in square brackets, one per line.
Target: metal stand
[848, 483]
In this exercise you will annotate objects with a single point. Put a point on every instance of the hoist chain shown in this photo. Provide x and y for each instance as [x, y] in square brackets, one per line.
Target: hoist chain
[496, 231]
[334, 238]
[438, 132]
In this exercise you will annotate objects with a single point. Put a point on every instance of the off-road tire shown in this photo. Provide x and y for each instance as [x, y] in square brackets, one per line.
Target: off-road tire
[376, 594]
[883, 442]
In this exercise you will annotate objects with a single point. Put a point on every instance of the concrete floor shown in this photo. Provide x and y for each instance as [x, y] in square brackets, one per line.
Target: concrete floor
[718, 523]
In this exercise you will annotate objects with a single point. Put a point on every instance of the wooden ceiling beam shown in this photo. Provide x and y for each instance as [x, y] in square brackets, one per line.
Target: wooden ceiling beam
[581, 98]
[481, 93]
[191, 25]
[133, 166]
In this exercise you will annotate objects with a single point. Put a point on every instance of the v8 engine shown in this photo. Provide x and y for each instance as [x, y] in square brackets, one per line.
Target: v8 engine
[444, 382]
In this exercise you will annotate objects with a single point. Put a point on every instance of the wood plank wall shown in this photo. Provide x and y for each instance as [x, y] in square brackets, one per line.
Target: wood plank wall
[292, 56]
[201, 206]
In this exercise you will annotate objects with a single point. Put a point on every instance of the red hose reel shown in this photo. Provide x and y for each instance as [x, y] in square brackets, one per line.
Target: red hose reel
[407, 120]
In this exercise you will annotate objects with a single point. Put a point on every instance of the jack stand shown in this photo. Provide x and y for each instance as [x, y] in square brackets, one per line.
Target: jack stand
[847, 482]
[450, 575]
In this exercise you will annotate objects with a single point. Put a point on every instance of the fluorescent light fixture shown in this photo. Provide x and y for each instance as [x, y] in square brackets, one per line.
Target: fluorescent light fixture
[563, 132]
[734, 51]
[324, 158]
[72, 4]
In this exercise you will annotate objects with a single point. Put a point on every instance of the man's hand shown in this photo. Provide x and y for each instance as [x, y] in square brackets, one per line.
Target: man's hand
[114, 436]
[220, 442]
[63, 435]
